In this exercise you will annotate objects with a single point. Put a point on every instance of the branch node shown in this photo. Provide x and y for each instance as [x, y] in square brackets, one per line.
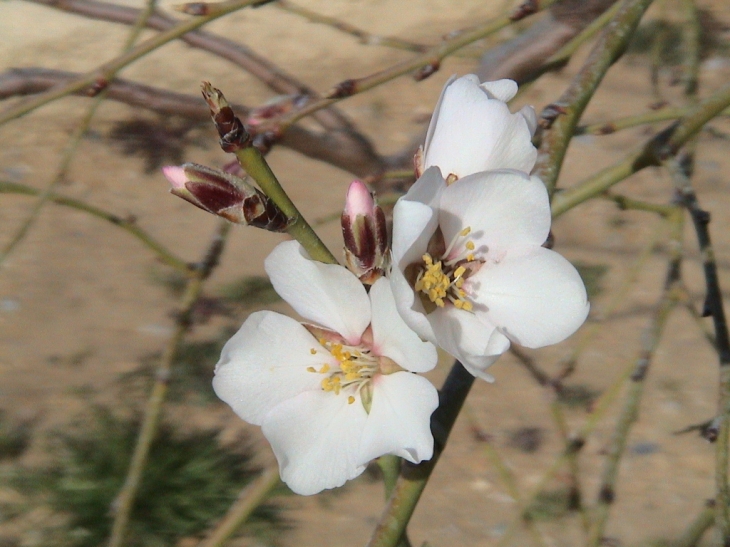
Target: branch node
[345, 88]
[427, 70]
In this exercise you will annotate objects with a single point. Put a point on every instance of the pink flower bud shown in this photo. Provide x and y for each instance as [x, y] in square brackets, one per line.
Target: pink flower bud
[359, 200]
[365, 234]
[225, 195]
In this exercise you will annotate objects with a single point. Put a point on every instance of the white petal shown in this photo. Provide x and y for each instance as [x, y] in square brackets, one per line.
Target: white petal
[265, 363]
[326, 294]
[409, 307]
[400, 419]
[435, 116]
[392, 337]
[474, 133]
[530, 117]
[503, 208]
[502, 90]
[469, 337]
[414, 221]
[535, 298]
[427, 189]
[316, 439]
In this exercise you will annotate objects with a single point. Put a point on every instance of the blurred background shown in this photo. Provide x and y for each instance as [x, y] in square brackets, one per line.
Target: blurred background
[87, 309]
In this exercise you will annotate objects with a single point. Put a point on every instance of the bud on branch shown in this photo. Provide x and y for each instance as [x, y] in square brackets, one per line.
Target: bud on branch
[225, 195]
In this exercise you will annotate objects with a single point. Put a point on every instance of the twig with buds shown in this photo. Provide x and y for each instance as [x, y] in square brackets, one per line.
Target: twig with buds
[235, 139]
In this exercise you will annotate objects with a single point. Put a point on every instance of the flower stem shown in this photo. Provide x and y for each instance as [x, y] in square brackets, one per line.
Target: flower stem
[122, 506]
[414, 477]
[236, 140]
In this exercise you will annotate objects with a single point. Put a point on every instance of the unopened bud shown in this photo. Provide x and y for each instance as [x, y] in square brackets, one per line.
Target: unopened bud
[225, 195]
[365, 234]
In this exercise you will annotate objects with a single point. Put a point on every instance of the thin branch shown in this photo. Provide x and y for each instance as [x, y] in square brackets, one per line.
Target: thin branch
[561, 117]
[653, 152]
[626, 203]
[122, 506]
[248, 500]
[126, 224]
[343, 149]
[653, 116]
[422, 65]
[630, 411]
[240, 55]
[697, 528]
[96, 80]
[363, 36]
[714, 307]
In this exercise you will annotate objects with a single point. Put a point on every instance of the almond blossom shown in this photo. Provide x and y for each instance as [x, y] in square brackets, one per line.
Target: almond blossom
[472, 130]
[469, 270]
[331, 395]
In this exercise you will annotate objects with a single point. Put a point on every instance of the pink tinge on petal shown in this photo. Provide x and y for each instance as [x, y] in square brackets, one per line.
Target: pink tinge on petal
[359, 200]
[176, 175]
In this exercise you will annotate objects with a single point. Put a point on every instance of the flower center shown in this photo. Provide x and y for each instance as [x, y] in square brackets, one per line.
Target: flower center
[357, 366]
[442, 280]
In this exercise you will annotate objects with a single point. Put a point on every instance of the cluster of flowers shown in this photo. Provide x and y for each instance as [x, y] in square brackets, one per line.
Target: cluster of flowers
[466, 271]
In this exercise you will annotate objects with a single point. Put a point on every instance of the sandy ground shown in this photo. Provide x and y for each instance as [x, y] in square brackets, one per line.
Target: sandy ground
[79, 287]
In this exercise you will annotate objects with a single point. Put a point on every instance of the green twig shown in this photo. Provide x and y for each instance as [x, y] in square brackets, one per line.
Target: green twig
[236, 140]
[128, 225]
[626, 203]
[653, 116]
[97, 79]
[629, 412]
[662, 146]
[248, 500]
[697, 528]
[573, 102]
[122, 506]
[69, 151]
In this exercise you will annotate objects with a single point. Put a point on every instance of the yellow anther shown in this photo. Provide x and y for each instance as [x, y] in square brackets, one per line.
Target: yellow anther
[313, 351]
[470, 245]
[465, 231]
[325, 368]
[350, 400]
[459, 272]
[470, 257]
[311, 369]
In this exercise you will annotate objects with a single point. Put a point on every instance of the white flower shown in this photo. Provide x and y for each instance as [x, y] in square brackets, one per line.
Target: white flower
[469, 270]
[330, 397]
[472, 130]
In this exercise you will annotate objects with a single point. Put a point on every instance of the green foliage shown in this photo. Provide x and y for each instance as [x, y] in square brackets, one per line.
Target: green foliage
[550, 505]
[592, 275]
[188, 484]
[14, 437]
